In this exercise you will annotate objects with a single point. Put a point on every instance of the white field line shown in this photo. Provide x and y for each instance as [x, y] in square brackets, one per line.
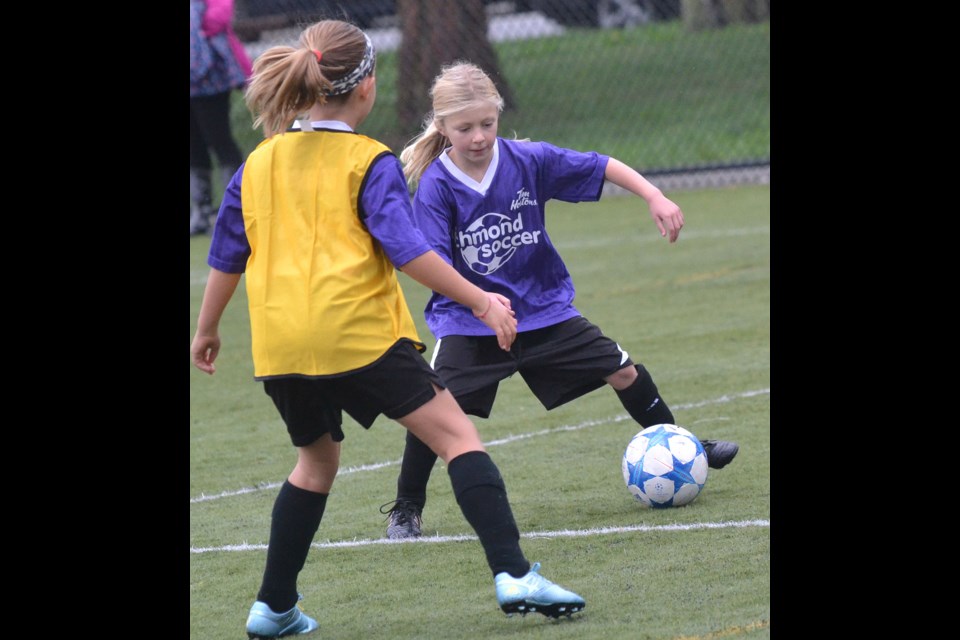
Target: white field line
[515, 438]
[565, 533]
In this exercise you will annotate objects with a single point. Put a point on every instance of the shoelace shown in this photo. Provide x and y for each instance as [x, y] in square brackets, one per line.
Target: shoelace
[405, 512]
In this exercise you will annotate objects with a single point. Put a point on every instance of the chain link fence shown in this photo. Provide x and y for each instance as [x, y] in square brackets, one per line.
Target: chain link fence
[678, 89]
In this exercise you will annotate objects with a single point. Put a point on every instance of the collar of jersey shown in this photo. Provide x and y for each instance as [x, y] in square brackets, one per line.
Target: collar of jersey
[479, 187]
[336, 125]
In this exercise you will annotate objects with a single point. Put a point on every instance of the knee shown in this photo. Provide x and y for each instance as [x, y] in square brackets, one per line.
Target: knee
[317, 465]
[623, 378]
[318, 479]
[464, 439]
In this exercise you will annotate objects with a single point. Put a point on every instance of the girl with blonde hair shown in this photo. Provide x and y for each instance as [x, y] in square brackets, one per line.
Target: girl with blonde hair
[480, 202]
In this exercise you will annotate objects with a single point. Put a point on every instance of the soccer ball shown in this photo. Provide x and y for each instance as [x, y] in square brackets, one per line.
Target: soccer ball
[664, 466]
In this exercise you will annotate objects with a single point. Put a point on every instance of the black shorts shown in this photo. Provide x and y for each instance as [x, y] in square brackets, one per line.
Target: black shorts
[395, 385]
[559, 363]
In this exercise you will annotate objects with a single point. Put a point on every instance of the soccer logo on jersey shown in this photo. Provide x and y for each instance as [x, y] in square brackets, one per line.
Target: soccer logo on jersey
[491, 240]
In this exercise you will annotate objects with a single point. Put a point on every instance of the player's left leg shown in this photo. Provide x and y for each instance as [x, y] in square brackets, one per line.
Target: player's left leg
[482, 496]
[639, 395]
[314, 427]
[570, 359]
[471, 367]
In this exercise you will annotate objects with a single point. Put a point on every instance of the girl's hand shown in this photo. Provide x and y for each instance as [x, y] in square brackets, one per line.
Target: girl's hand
[667, 215]
[204, 351]
[499, 317]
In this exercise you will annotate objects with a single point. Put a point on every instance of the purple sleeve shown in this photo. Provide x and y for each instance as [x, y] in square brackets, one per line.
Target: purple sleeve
[229, 247]
[387, 212]
[573, 176]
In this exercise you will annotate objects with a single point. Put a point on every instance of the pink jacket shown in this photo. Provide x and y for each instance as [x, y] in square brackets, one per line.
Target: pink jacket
[219, 17]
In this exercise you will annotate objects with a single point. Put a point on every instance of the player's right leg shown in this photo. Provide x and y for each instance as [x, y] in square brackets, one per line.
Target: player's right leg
[405, 513]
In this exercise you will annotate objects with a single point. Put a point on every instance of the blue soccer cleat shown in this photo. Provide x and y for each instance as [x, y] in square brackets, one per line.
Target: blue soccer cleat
[264, 624]
[534, 593]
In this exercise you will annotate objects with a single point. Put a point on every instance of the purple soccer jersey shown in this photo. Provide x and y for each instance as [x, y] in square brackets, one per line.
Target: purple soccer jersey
[493, 232]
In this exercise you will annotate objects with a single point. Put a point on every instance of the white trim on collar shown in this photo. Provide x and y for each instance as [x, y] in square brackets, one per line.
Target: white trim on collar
[336, 125]
[479, 187]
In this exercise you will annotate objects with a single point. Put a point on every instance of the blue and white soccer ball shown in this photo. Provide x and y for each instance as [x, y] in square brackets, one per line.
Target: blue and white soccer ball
[664, 466]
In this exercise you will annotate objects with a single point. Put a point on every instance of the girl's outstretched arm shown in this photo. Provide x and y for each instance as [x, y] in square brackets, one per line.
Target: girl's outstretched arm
[665, 212]
[493, 309]
[206, 342]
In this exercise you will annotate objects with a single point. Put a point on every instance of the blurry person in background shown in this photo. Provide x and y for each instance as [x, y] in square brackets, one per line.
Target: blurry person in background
[218, 66]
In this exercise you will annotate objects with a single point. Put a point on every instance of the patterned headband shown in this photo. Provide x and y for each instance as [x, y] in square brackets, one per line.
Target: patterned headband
[352, 79]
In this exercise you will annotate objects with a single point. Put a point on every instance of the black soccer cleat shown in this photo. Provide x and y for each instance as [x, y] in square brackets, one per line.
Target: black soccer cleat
[404, 519]
[719, 452]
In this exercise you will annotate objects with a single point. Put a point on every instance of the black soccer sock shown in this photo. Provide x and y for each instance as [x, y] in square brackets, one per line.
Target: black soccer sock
[643, 402]
[415, 469]
[482, 497]
[295, 520]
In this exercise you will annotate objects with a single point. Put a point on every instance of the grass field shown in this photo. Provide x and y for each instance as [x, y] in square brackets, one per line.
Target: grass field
[696, 313]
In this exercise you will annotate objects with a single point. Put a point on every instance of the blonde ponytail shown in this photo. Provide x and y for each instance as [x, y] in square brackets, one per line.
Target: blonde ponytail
[423, 150]
[331, 59]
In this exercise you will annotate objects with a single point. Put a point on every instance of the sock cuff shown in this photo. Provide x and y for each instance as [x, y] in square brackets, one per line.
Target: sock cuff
[473, 469]
[301, 498]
